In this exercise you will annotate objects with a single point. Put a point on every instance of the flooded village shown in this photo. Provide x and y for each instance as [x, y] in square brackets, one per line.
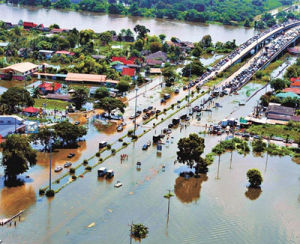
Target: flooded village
[107, 135]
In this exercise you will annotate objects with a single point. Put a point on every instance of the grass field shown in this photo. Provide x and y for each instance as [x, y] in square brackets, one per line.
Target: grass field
[291, 130]
[50, 104]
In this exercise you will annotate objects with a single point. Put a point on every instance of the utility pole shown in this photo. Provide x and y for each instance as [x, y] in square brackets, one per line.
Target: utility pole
[135, 108]
[189, 83]
[50, 158]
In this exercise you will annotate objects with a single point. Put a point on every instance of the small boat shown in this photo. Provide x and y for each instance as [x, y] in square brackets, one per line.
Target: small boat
[58, 169]
[118, 184]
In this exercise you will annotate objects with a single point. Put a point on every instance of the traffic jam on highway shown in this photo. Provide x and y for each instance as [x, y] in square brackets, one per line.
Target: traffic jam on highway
[216, 68]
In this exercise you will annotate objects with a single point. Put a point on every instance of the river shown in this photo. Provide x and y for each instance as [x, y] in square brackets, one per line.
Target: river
[188, 31]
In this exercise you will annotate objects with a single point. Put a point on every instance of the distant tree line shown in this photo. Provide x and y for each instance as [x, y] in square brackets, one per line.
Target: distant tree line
[224, 11]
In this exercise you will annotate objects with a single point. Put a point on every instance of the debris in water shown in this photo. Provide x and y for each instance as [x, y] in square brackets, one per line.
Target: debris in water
[91, 225]
[131, 193]
[109, 210]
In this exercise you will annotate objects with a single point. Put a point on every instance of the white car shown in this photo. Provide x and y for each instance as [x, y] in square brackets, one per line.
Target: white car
[58, 169]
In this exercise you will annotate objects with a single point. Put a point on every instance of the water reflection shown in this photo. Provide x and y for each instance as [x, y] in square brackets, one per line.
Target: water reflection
[188, 190]
[15, 199]
[253, 193]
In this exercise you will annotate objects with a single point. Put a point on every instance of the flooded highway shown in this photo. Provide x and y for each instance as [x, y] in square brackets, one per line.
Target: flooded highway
[213, 209]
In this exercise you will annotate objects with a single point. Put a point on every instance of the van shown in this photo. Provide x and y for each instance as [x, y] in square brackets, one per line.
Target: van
[102, 144]
[102, 171]
[167, 96]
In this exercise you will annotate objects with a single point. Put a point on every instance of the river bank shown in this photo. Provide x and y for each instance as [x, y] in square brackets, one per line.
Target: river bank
[189, 31]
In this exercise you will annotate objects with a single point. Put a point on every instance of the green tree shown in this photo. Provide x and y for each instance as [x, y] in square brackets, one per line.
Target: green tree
[69, 133]
[101, 92]
[279, 84]
[155, 46]
[162, 37]
[190, 150]
[169, 75]
[105, 37]
[18, 156]
[194, 68]
[43, 137]
[16, 97]
[62, 4]
[141, 30]
[259, 146]
[139, 231]
[123, 86]
[108, 104]
[254, 177]
[206, 41]
[80, 97]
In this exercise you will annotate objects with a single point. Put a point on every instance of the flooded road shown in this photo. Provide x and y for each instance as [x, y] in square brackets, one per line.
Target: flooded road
[188, 31]
[204, 210]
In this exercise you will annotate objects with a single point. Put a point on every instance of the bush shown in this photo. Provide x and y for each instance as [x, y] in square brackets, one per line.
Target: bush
[120, 140]
[125, 144]
[57, 181]
[113, 151]
[88, 168]
[100, 159]
[41, 191]
[139, 231]
[74, 177]
[85, 162]
[50, 193]
[130, 132]
[254, 177]
[97, 154]
[72, 170]
[134, 137]
[108, 146]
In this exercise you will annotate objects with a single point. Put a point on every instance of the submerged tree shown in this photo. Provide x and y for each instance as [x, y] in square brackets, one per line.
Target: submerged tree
[80, 97]
[254, 177]
[190, 150]
[18, 156]
[139, 231]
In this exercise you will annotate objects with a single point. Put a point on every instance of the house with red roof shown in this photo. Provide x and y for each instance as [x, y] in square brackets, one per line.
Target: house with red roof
[46, 88]
[129, 71]
[295, 84]
[56, 30]
[67, 53]
[293, 90]
[294, 79]
[31, 111]
[29, 25]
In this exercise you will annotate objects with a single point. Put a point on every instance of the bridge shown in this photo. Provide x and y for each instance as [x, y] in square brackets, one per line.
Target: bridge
[262, 59]
[253, 45]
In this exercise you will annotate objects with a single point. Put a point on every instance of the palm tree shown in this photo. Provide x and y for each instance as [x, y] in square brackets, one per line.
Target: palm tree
[219, 150]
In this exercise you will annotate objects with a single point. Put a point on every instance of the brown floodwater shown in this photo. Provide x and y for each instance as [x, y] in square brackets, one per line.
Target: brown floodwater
[188, 31]
[203, 210]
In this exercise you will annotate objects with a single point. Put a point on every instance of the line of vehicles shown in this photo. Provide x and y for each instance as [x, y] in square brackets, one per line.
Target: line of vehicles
[108, 174]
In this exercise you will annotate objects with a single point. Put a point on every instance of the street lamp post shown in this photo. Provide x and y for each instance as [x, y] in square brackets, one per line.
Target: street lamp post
[50, 158]
[135, 107]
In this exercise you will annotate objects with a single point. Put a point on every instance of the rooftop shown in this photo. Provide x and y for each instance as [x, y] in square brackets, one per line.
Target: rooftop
[21, 67]
[275, 109]
[76, 77]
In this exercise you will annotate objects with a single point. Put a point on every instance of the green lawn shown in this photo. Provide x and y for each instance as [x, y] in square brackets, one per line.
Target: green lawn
[292, 130]
[51, 104]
